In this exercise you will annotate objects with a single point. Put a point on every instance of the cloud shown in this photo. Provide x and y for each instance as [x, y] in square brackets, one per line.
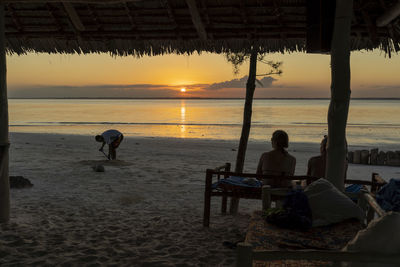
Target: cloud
[128, 90]
[371, 91]
[233, 88]
[93, 91]
[240, 83]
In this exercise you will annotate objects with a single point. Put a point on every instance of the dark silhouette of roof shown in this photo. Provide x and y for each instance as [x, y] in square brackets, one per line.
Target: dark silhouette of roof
[155, 27]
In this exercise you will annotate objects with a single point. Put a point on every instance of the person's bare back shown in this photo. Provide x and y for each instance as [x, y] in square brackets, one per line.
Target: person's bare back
[277, 161]
[316, 166]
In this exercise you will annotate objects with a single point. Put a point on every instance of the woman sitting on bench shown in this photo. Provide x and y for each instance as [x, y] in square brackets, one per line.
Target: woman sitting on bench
[277, 161]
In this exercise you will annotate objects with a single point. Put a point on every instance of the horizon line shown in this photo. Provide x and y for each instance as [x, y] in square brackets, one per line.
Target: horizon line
[212, 98]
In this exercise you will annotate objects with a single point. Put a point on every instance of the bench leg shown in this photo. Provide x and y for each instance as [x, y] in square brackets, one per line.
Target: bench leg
[224, 204]
[234, 205]
[244, 255]
[207, 200]
[206, 216]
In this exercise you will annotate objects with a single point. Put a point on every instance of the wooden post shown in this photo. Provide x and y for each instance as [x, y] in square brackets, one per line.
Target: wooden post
[4, 143]
[224, 197]
[340, 94]
[248, 109]
[207, 199]
[244, 255]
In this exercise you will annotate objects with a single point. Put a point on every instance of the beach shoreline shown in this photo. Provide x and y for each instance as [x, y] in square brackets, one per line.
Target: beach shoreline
[144, 210]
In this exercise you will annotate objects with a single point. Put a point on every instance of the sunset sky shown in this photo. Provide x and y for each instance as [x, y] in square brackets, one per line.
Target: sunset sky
[205, 75]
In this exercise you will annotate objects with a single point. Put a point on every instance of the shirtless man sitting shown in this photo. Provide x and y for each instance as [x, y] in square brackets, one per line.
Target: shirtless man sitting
[317, 165]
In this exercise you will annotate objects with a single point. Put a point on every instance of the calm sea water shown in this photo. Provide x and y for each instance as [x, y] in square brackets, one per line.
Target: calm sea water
[370, 121]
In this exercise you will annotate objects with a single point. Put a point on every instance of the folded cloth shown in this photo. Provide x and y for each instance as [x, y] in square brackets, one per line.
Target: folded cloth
[354, 188]
[388, 197]
[238, 181]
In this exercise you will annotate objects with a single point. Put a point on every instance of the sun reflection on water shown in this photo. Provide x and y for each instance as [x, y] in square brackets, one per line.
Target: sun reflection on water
[183, 119]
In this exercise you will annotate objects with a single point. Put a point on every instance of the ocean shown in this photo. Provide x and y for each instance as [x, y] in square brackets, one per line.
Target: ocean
[370, 122]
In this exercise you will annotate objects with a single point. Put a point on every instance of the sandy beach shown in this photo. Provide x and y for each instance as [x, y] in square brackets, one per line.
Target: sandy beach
[144, 210]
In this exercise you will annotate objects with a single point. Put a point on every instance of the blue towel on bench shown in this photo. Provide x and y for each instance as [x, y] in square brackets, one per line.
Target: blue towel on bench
[238, 181]
[388, 196]
[354, 188]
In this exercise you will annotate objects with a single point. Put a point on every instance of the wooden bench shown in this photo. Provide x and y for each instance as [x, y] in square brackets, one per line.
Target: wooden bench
[224, 192]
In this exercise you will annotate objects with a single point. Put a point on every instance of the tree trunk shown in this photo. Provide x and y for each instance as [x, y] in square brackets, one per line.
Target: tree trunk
[340, 94]
[4, 180]
[248, 106]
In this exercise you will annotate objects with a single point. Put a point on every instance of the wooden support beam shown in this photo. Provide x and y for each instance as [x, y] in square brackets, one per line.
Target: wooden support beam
[171, 16]
[208, 22]
[279, 14]
[73, 16]
[389, 15]
[243, 13]
[320, 20]
[15, 18]
[94, 18]
[130, 16]
[196, 19]
[132, 19]
[340, 94]
[4, 142]
[371, 27]
[54, 17]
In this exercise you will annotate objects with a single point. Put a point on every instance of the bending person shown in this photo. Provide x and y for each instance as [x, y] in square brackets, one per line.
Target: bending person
[277, 161]
[112, 138]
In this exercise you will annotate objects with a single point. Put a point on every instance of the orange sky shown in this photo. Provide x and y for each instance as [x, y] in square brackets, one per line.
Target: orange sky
[304, 75]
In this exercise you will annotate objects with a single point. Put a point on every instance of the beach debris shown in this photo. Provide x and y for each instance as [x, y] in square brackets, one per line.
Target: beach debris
[19, 182]
[98, 168]
[350, 156]
[364, 157]
[381, 158]
[374, 157]
[357, 157]
[392, 158]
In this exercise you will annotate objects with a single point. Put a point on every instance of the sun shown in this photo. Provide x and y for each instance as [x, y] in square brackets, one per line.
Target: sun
[183, 89]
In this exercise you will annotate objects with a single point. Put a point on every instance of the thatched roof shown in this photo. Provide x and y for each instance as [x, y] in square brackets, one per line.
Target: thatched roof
[155, 27]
